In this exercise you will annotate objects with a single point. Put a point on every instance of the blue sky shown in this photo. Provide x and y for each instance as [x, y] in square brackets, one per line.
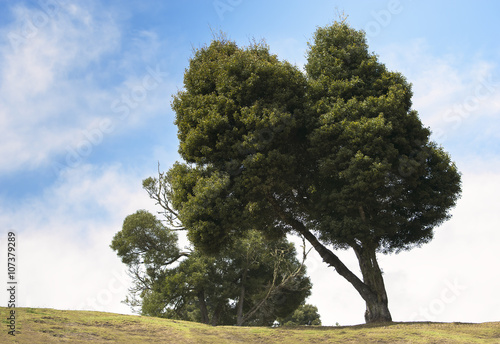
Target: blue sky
[85, 92]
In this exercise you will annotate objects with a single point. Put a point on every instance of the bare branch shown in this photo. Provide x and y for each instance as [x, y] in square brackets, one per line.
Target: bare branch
[274, 287]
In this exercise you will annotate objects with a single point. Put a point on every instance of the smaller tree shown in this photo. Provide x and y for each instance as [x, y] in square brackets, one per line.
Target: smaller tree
[306, 314]
[253, 281]
[148, 249]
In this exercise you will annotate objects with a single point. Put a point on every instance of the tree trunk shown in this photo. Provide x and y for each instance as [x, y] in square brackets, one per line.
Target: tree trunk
[239, 317]
[377, 309]
[216, 315]
[372, 289]
[203, 307]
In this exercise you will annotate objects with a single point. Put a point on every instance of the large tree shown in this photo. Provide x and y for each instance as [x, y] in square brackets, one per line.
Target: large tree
[335, 154]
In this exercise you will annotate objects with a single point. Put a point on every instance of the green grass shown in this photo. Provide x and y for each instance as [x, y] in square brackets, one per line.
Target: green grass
[37, 326]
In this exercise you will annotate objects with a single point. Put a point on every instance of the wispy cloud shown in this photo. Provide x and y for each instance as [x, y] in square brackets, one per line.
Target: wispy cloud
[60, 81]
[455, 96]
[43, 99]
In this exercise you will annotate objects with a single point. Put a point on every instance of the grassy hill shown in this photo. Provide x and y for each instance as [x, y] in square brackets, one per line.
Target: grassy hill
[37, 326]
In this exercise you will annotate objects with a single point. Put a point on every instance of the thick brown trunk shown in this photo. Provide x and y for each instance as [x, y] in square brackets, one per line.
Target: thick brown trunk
[377, 309]
[203, 307]
[371, 289]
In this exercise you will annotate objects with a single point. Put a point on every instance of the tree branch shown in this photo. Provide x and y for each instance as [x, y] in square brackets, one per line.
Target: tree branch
[161, 194]
[327, 255]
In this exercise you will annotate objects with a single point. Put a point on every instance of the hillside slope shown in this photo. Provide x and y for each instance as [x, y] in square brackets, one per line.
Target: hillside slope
[37, 326]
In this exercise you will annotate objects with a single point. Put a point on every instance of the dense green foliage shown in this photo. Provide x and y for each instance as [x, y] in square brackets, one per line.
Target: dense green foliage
[304, 315]
[381, 181]
[238, 109]
[336, 155]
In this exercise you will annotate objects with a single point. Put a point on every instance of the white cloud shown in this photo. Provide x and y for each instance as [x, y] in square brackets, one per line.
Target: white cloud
[43, 104]
[64, 259]
[70, 39]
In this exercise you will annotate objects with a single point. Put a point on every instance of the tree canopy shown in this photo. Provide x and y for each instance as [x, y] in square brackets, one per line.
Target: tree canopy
[336, 154]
